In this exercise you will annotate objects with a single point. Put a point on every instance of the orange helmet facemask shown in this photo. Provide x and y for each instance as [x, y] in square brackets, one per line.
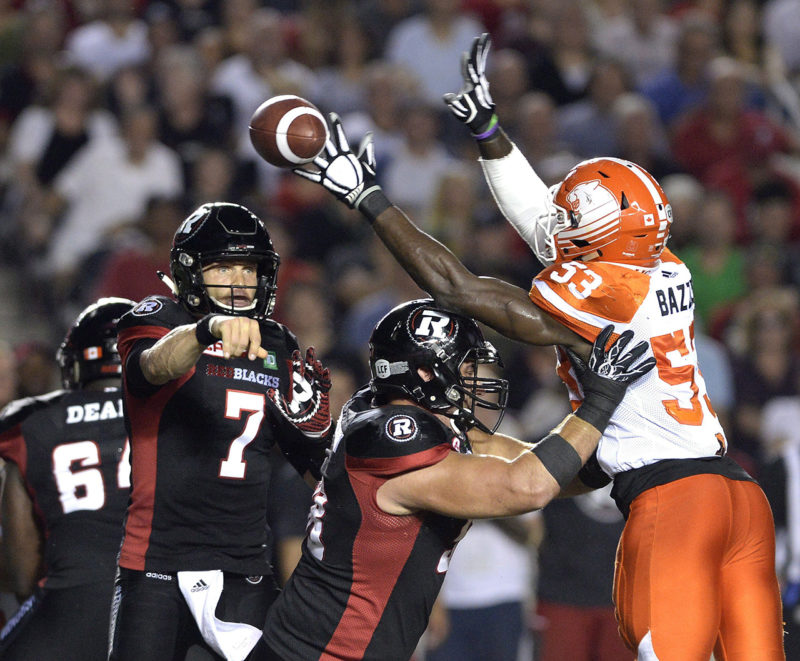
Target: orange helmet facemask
[606, 208]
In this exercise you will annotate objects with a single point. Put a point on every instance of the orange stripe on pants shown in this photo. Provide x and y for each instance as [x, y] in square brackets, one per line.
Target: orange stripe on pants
[696, 568]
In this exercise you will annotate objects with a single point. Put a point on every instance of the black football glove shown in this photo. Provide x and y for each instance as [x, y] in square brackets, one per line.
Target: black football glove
[473, 105]
[307, 406]
[607, 375]
[350, 177]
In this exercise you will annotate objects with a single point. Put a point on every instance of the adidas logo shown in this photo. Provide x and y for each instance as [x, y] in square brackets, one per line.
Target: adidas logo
[199, 586]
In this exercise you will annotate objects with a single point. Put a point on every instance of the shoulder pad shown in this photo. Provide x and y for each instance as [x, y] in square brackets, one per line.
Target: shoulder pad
[394, 431]
[156, 311]
[572, 292]
[17, 411]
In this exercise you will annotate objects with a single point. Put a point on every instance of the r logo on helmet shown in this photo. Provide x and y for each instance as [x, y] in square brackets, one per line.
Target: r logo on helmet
[427, 325]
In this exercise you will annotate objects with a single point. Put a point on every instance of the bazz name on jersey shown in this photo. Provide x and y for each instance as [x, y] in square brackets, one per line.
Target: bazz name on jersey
[675, 299]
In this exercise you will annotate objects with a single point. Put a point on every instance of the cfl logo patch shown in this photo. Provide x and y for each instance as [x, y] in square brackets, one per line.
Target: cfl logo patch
[402, 428]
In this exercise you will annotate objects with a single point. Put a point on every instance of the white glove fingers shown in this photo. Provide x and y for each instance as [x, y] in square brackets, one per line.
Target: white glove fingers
[316, 177]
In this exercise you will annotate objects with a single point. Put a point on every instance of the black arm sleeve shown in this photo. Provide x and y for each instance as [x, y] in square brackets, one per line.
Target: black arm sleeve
[135, 380]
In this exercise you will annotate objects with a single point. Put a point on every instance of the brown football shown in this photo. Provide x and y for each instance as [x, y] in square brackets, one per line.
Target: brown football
[288, 131]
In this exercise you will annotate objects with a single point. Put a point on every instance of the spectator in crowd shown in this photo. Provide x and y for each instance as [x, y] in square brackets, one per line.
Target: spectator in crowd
[640, 137]
[9, 377]
[588, 126]
[414, 169]
[717, 263]
[780, 474]
[767, 363]
[88, 190]
[559, 53]
[643, 36]
[37, 372]
[726, 144]
[536, 134]
[115, 39]
[130, 270]
[342, 82]
[684, 85]
[576, 571]
[426, 44]
[44, 138]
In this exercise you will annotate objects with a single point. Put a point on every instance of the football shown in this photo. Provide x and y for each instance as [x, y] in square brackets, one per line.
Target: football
[288, 131]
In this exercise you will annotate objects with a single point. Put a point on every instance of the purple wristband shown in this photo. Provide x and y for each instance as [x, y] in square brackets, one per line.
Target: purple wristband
[490, 131]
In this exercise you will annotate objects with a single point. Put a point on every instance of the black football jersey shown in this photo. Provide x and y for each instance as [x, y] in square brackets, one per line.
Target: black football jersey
[367, 580]
[200, 449]
[72, 452]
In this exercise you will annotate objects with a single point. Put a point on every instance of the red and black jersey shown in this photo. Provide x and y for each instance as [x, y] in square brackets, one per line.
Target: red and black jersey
[367, 580]
[200, 448]
[71, 450]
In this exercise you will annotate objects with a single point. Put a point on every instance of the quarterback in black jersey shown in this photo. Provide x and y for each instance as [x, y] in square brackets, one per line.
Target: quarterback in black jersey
[64, 498]
[211, 385]
[411, 464]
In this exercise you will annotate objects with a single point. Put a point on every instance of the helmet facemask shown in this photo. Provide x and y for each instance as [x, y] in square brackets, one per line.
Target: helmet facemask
[470, 389]
[547, 226]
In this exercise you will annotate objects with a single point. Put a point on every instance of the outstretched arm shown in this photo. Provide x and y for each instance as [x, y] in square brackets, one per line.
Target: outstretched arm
[478, 486]
[498, 304]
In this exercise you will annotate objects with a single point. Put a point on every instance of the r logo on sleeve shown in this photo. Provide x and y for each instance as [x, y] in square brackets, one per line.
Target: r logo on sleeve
[402, 428]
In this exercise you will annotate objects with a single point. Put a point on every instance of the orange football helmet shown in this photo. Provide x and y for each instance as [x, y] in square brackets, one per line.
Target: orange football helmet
[606, 208]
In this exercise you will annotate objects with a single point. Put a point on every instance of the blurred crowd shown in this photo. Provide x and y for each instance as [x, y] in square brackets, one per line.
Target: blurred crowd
[119, 117]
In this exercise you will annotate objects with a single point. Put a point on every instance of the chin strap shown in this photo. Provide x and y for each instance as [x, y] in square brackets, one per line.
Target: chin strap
[167, 281]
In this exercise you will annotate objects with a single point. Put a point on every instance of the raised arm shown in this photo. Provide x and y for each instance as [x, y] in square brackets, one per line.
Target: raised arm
[498, 304]
[520, 193]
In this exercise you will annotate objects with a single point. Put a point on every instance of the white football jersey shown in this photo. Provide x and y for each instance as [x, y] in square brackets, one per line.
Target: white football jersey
[666, 414]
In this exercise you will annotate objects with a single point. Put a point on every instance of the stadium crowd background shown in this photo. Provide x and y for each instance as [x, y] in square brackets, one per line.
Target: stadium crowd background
[117, 118]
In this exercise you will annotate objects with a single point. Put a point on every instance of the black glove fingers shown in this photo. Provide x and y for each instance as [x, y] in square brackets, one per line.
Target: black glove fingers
[599, 347]
[616, 350]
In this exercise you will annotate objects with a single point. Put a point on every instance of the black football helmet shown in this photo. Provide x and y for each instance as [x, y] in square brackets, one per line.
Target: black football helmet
[418, 334]
[89, 349]
[216, 232]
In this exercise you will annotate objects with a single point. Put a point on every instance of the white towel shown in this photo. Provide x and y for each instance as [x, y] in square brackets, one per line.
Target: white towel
[202, 590]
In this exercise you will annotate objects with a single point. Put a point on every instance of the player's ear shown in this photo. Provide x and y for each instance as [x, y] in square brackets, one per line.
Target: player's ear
[425, 373]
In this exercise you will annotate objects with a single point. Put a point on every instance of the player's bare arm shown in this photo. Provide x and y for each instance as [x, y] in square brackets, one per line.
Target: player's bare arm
[22, 543]
[498, 445]
[177, 352]
[503, 306]
[473, 486]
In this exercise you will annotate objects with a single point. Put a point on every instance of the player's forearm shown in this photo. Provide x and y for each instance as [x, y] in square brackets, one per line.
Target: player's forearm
[497, 146]
[498, 445]
[429, 263]
[21, 544]
[548, 472]
[172, 356]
